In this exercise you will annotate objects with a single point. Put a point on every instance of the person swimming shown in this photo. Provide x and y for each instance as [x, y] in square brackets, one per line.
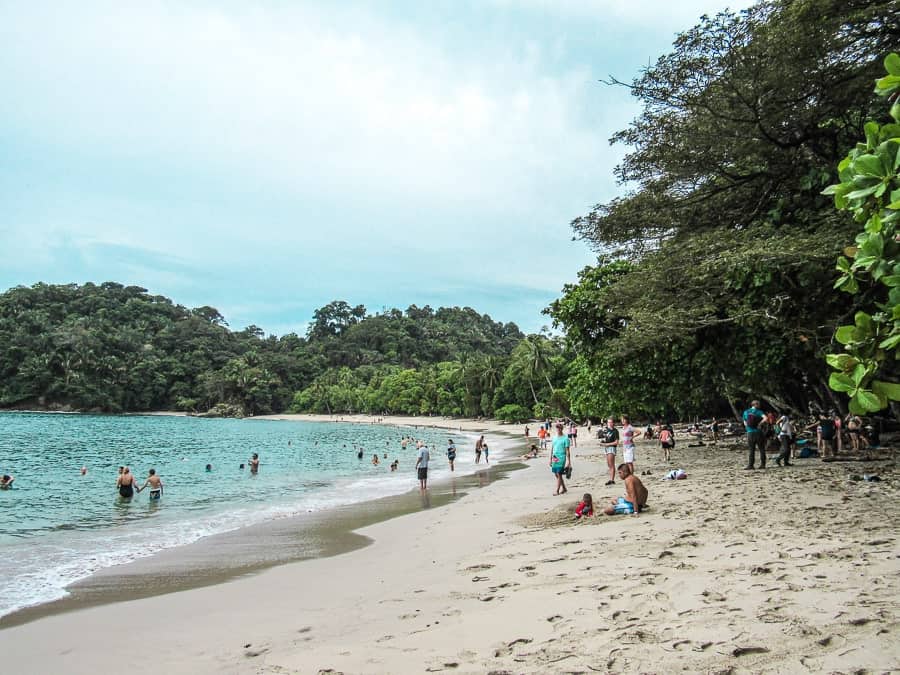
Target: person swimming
[6, 481]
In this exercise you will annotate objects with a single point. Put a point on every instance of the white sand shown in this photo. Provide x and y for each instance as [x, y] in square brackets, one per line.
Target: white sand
[797, 567]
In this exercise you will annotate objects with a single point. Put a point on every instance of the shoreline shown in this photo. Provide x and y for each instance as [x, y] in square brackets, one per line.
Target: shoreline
[200, 563]
[782, 570]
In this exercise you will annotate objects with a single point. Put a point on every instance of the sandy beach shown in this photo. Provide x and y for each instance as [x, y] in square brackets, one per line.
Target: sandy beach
[783, 570]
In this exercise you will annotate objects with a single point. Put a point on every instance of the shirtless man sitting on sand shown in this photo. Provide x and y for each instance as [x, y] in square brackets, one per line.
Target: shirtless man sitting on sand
[635, 498]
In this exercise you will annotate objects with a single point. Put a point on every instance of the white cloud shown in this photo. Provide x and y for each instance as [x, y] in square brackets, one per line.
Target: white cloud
[246, 134]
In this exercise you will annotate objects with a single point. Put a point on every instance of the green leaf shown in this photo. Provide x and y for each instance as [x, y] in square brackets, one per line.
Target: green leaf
[891, 280]
[889, 390]
[841, 361]
[865, 192]
[873, 225]
[863, 320]
[841, 382]
[873, 245]
[859, 374]
[871, 130]
[856, 408]
[868, 166]
[868, 401]
[890, 342]
[884, 85]
[845, 334]
[892, 63]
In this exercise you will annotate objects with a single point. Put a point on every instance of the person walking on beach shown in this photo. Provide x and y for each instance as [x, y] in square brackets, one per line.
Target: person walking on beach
[610, 441]
[752, 417]
[451, 453]
[479, 444]
[560, 459]
[155, 483]
[666, 441]
[485, 450]
[714, 428]
[125, 483]
[628, 442]
[254, 463]
[635, 498]
[422, 466]
[785, 437]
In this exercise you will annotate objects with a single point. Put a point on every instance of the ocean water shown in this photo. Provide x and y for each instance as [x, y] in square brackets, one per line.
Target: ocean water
[58, 526]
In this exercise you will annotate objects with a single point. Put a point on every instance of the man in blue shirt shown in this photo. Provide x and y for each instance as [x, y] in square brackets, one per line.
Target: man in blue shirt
[755, 438]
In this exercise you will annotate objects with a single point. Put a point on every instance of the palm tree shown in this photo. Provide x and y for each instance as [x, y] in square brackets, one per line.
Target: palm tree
[539, 360]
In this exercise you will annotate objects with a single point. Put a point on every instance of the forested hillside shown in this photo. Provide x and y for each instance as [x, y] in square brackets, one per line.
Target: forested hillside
[115, 348]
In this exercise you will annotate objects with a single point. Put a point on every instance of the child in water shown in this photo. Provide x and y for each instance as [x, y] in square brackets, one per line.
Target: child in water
[585, 507]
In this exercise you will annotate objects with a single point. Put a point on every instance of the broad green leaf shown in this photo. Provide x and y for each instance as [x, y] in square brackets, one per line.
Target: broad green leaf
[845, 334]
[841, 361]
[850, 251]
[868, 166]
[873, 225]
[890, 279]
[843, 264]
[856, 408]
[841, 382]
[888, 131]
[865, 192]
[892, 63]
[884, 85]
[890, 342]
[863, 320]
[871, 130]
[873, 245]
[869, 401]
[890, 390]
[880, 270]
[859, 374]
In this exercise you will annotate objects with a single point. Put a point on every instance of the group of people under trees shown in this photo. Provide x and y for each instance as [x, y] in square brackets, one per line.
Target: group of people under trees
[767, 432]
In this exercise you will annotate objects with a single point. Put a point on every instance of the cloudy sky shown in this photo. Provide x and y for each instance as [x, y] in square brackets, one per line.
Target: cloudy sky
[266, 158]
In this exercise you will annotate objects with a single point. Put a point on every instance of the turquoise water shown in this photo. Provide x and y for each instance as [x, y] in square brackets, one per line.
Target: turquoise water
[58, 526]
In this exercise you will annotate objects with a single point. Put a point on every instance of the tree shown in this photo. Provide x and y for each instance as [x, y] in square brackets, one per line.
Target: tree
[870, 188]
[729, 242]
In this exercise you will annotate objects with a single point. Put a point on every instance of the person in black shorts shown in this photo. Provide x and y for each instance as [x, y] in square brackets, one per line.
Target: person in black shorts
[451, 452]
[422, 466]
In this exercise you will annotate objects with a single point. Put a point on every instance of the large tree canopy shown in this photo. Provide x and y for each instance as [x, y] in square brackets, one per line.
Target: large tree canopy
[732, 246]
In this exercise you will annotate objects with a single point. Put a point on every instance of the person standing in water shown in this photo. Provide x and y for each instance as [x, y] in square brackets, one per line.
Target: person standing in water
[479, 444]
[422, 466]
[155, 483]
[451, 453]
[254, 463]
[125, 483]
